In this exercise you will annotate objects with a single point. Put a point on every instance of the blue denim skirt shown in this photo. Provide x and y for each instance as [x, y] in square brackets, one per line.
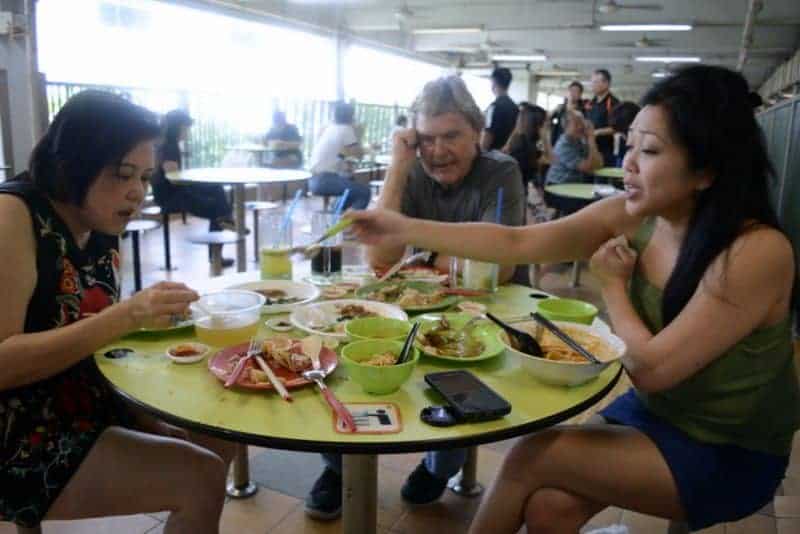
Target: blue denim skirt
[716, 483]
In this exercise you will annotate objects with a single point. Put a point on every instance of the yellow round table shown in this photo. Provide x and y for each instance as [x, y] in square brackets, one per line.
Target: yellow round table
[189, 396]
[614, 173]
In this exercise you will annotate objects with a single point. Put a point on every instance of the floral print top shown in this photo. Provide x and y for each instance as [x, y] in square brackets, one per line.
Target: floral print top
[48, 427]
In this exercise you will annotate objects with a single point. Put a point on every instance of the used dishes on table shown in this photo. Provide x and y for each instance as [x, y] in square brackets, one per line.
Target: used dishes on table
[412, 296]
[560, 366]
[284, 355]
[279, 324]
[328, 318]
[187, 352]
[367, 364]
[282, 296]
[441, 336]
[418, 273]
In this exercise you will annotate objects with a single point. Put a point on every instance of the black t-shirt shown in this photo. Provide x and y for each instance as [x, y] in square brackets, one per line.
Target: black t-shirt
[287, 133]
[501, 117]
[162, 188]
[599, 112]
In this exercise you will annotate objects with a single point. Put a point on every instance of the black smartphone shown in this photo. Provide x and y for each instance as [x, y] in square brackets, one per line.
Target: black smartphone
[470, 399]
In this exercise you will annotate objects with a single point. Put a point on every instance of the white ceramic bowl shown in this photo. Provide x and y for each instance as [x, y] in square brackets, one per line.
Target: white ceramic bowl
[299, 290]
[311, 317]
[198, 347]
[566, 373]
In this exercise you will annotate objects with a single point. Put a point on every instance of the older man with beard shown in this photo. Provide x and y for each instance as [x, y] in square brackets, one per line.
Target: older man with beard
[438, 172]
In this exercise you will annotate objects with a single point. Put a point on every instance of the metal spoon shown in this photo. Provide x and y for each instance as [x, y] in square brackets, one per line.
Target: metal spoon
[518, 338]
[317, 376]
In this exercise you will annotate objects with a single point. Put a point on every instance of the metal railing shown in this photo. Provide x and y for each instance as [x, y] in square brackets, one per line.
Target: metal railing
[215, 114]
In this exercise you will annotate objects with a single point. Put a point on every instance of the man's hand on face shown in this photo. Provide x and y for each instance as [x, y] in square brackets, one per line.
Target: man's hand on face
[404, 148]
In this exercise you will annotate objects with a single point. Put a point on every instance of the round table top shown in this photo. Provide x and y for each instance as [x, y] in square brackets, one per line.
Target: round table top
[238, 175]
[137, 225]
[579, 191]
[190, 396]
[610, 172]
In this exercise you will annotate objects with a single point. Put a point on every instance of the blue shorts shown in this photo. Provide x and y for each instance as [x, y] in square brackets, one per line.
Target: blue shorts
[716, 483]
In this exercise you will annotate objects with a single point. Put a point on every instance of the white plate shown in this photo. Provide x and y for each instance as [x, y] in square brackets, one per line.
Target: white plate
[309, 317]
[305, 292]
[203, 350]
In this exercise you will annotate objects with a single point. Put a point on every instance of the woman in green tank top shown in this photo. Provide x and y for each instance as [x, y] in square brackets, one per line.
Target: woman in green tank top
[698, 280]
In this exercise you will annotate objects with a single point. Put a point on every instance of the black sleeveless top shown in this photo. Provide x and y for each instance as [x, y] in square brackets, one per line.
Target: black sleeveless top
[48, 427]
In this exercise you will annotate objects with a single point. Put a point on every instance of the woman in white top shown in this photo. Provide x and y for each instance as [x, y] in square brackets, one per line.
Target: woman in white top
[330, 174]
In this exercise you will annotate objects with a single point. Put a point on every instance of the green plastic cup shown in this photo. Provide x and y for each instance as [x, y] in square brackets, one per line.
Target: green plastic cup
[569, 310]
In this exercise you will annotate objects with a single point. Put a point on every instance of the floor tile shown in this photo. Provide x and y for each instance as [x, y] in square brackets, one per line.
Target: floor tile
[258, 514]
[610, 516]
[130, 524]
[755, 524]
[787, 507]
[788, 526]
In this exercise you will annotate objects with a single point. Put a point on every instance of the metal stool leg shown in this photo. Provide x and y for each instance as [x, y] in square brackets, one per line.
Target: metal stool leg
[32, 530]
[241, 487]
[576, 274]
[183, 217]
[467, 484]
[255, 236]
[165, 226]
[137, 268]
[215, 250]
[535, 274]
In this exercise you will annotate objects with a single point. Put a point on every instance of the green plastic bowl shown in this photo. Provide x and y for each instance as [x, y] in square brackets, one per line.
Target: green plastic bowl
[377, 328]
[377, 380]
[568, 310]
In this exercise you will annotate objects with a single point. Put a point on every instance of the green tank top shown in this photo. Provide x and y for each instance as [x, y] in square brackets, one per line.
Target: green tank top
[747, 397]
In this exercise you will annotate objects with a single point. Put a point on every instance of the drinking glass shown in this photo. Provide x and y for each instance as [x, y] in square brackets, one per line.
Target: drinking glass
[326, 265]
[274, 255]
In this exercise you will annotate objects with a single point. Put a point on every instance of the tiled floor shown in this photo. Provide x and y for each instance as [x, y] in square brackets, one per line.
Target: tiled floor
[281, 512]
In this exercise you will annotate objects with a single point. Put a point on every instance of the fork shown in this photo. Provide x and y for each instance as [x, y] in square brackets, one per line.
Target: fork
[237, 371]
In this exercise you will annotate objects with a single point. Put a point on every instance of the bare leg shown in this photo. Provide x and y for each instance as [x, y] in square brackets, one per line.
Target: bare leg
[592, 466]
[129, 472]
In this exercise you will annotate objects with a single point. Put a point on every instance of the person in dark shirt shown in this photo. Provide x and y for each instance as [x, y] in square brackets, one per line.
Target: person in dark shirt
[501, 117]
[284, 142]
[574, 101]
[524, 144]
[598, 112]
[201, 200]
[620, 120]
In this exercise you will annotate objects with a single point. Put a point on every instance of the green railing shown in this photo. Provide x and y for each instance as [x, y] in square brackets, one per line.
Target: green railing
[216, 128]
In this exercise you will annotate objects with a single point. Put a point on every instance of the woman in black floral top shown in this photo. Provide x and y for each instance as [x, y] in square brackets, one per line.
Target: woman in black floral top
[63, 453]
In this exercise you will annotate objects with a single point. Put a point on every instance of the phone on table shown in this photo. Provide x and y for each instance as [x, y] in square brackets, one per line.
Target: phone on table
[469, 399]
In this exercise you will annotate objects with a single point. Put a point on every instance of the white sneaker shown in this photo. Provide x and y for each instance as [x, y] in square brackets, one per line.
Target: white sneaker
[611, 529]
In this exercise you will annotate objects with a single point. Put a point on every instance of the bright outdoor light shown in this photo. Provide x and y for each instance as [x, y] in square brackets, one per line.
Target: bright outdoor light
[508, 57]
[646, 27]
[668, 59]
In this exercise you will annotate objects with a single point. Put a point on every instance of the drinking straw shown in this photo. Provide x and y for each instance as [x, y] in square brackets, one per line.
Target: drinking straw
[340, 205]
[498, 214]
[288, 215]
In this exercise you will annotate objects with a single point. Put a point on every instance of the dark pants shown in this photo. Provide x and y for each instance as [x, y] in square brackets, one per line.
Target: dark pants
[206, 201]
[332, 184]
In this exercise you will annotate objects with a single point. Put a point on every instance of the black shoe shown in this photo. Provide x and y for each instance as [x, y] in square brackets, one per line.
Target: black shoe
[324, 502]
[227, 262]
[421, 487]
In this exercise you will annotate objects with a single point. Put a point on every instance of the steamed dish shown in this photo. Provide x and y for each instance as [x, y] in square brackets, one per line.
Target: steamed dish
[404, 296]
[444, 340]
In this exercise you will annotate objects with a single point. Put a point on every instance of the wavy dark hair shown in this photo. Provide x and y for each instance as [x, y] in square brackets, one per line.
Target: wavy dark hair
[94, 129]
[710, 114]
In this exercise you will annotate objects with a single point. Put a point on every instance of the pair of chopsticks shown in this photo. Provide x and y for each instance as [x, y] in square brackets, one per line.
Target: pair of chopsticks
[254, 352]
[563, 336]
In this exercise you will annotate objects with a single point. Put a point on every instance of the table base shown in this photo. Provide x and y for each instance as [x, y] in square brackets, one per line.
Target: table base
[360, 493]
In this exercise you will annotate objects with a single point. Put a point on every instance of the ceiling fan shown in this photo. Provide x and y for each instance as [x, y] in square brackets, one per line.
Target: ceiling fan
[609, 7]
[485, 46]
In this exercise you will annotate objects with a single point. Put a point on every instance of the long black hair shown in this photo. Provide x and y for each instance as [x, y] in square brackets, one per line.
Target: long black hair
[711, 116]
[94, 129]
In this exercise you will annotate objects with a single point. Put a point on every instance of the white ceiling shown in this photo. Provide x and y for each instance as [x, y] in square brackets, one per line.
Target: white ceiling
[566, 31]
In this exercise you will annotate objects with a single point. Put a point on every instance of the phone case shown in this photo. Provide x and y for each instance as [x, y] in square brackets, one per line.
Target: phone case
[492, 406]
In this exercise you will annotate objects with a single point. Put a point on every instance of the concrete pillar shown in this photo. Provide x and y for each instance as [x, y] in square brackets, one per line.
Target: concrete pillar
[27, 116]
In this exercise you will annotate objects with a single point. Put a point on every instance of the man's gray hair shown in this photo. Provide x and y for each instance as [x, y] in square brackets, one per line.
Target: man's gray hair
[447, 94]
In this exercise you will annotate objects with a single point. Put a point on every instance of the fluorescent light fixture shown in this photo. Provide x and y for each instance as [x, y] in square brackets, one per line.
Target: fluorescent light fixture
[646, 27]
[660, 75]
[557, 73]
[512, 57]
[668, 59]
[423, 31]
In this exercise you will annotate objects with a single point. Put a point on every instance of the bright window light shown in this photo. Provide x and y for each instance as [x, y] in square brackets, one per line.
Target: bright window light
[668, 59]
[646, 27]
[511, 57]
